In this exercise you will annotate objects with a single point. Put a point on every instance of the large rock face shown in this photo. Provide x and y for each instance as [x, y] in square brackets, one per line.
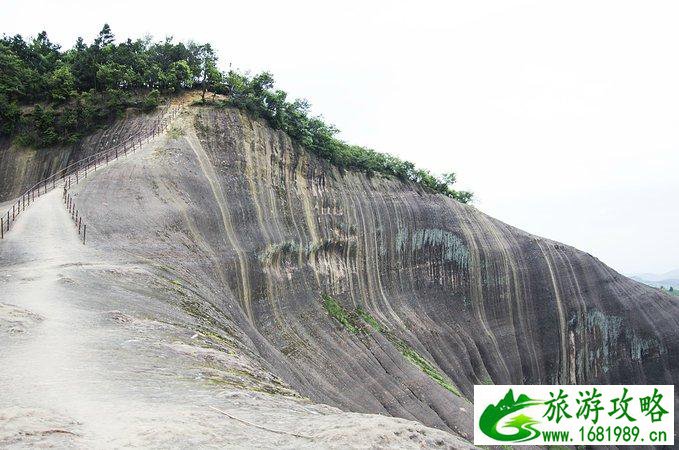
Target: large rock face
[22, 167]
[435, 296]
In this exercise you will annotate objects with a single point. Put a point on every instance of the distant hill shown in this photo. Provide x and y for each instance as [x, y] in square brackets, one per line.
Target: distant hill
[665, 280]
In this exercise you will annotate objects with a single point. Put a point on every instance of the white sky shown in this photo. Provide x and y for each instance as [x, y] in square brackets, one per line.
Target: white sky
[561, 116]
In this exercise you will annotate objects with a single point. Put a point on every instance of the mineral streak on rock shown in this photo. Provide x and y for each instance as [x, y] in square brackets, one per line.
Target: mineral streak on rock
[264, 230]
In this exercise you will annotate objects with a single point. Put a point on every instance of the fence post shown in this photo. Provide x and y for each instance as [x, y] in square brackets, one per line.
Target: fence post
[84, 233]
[2, 228]
[13, 216]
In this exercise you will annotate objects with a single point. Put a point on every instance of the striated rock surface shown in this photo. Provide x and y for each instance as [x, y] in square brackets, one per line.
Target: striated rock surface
[455, 297]
[361, 292]
[22, 167]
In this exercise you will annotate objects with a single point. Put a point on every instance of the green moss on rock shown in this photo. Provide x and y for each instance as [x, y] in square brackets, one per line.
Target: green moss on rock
[355, 321]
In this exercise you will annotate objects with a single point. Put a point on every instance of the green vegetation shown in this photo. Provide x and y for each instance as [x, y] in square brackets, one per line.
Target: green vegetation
[337, 312]
[257, 96]
[670, 290]
[369, 319]
[411, 355]
[351, 321]
[49, 97]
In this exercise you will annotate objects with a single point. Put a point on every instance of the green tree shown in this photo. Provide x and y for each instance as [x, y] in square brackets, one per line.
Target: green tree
[105, 37]
[61, 84]
[209, 74]
[179, 75]
[10, 115]
[15, 75]
[83, 66]
[112, 75]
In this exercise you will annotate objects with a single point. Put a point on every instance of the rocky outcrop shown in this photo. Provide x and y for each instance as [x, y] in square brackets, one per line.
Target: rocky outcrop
[22, 167]
[368, 293]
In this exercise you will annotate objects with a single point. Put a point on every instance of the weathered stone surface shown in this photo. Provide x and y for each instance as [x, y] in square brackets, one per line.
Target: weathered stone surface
[264, 229]
[22, 167]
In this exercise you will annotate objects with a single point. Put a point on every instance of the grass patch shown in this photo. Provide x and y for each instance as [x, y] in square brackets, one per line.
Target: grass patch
[425, 366]
[354, 322]
[369, 319]
[337, 312]
[176, 132]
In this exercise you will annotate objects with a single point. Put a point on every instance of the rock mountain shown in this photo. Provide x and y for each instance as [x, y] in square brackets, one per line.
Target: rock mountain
[233, 285]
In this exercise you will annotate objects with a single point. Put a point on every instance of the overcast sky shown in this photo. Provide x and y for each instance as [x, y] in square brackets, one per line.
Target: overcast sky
[562, 117]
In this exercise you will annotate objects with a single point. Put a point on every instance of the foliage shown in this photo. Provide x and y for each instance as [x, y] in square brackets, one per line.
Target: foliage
[369, 319]
[75, 90]
[61, 84]
[152, 100]
[351, 321]
[428, 368]
[82, 87]
[257, 96]
[338, 313]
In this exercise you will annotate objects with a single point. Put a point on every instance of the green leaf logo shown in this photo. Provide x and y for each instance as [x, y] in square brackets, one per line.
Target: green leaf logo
[493, 414]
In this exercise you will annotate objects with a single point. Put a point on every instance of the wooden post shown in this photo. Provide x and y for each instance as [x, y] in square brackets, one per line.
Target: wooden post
[84, 233]
[2, 228]
[13, 216]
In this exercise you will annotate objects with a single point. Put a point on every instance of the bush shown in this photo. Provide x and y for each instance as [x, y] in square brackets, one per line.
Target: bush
[257, 96]
[93, 83]
[152, 100]
[10, 116]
